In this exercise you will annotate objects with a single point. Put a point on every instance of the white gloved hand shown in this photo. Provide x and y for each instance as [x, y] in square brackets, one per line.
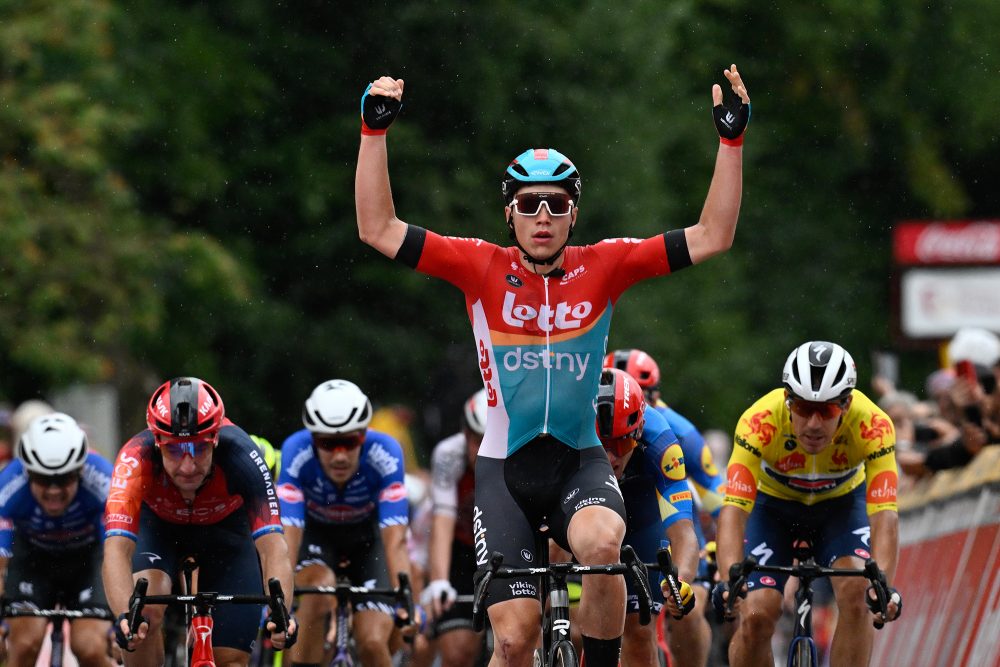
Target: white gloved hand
[438, 596]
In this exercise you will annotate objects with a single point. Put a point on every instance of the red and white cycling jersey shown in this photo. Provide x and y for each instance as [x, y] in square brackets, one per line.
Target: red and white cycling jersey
[541, 339]
[239, 478]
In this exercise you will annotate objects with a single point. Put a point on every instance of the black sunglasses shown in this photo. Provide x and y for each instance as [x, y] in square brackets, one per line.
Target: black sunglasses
[62, 481]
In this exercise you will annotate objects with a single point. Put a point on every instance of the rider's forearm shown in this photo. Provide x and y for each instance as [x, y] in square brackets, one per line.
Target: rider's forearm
[117, 573]
[885, 541]
[275, 563]
[716, 227]
[729, 538]
[684, 549]
[439, 551]
[378, 225]
[396, 556]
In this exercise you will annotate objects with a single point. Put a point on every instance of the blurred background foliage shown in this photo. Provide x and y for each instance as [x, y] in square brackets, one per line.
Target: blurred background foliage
[176, 183]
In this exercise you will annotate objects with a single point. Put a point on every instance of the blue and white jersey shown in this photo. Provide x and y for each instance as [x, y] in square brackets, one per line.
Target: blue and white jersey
[375, 492]
[704, 477]
[81, 525]
[654, 480]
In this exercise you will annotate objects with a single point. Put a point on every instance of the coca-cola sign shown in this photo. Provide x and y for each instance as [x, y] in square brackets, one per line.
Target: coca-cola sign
[947, 242]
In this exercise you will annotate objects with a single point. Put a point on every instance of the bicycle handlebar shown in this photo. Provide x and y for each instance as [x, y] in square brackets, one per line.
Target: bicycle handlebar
[630, 565]
[7, 610]
[740, 572]
[402, 593]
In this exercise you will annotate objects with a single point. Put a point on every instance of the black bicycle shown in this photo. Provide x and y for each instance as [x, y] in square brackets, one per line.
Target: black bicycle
[347, 596]
[57, 618]
[802, 649]
[557, 648]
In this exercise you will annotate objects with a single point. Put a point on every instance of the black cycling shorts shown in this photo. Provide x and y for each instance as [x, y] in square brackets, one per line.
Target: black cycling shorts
[354, 551]
[544, 482]
[42, 578]
[227, 563]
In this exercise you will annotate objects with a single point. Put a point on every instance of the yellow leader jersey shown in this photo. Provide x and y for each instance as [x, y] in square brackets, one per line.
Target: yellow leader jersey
[767, 457]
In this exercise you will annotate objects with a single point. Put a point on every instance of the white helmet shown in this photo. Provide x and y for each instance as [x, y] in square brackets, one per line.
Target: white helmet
[820, 371]
[337, 406]
[53, 444]
[474, 412]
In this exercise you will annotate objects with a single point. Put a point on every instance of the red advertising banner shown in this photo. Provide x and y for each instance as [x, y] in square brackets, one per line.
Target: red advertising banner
[937, 243]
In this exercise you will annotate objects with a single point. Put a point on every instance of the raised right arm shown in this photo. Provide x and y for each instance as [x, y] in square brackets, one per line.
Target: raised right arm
[378, 225]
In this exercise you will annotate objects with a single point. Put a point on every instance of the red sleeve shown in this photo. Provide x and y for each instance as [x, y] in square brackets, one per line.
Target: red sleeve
[128, 483]
[632, 260]
[462, 262]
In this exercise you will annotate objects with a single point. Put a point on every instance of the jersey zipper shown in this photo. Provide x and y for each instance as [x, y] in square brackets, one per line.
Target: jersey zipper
[548, 361]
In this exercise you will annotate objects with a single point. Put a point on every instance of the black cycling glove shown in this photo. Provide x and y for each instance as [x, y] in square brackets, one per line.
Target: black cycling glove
[290, 637]
[378, 112]
[731, 122]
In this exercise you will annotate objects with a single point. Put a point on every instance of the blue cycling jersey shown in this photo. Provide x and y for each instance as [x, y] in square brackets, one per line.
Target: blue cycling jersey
[375, 492]
[705, 478]
[654, 481]
[81, 525]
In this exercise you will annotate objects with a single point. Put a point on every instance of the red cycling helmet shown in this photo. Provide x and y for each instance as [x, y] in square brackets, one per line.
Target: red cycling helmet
[185, 408]
[621, 407]
[636, 363]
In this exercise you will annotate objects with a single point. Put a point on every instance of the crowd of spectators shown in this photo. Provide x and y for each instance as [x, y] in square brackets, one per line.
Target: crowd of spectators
[959, 415]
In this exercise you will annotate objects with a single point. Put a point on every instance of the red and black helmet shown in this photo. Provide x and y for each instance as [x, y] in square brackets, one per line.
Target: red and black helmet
[621, 407]
[185, 408]
[636, 363]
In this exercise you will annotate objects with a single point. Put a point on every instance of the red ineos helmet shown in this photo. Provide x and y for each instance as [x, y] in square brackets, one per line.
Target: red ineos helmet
[621, 407]
[636, 363]
[185, 408]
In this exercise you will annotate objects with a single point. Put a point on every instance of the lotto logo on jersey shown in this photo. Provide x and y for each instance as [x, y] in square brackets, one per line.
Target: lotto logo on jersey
[545, 317]
[290, 493]
[883, 488]
[740, 482]
[393, 493]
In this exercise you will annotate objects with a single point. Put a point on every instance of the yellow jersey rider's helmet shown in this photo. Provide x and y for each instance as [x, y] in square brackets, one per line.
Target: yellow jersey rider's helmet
[820, 371]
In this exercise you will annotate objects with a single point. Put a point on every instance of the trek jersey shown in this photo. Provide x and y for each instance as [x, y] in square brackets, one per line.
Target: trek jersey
[702, 474]
[653, 482]
[376, 491]
[541, 340]
[453, 485]
[767, 457]
[239, 478]
[80, 526]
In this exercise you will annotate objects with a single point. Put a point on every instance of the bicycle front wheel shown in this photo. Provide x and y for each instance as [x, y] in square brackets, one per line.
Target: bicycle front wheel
[563, 655]
[802, 653]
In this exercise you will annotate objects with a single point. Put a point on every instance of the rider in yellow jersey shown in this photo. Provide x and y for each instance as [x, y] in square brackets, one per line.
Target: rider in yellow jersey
[813, 460]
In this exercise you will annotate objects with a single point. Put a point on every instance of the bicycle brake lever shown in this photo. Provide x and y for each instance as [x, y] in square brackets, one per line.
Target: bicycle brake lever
[279, 612]
[135, 605]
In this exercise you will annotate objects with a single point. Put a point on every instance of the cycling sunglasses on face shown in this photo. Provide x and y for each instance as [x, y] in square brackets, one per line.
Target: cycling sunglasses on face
[807, 409]
[178, 449]
[530, 203]
[348, 441]
[619, 446]
[61, 481]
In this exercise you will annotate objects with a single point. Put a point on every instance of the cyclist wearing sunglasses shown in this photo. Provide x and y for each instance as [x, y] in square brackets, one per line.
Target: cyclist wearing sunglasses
[651, 471]
[51, 506]
[540, 311]
[814, 458]
[343, 501]
[193, 484]
[690, 637]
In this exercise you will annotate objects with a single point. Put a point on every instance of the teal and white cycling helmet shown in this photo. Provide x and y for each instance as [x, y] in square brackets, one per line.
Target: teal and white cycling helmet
[540, 165]
[53, 444]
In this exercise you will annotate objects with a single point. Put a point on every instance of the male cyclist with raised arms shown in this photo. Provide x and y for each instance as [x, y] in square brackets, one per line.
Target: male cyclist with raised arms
[193, 484]
[540, 312]
[650, 468]
[452, 547]
[51, 537]
[343, 501]
[691, 636]
[812, 460]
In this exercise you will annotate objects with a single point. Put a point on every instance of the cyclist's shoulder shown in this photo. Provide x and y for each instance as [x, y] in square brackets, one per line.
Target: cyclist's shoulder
[770, 406]
[379, 439]
[450, 445]
[865, 422]
[13, 486]
[96, 476]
